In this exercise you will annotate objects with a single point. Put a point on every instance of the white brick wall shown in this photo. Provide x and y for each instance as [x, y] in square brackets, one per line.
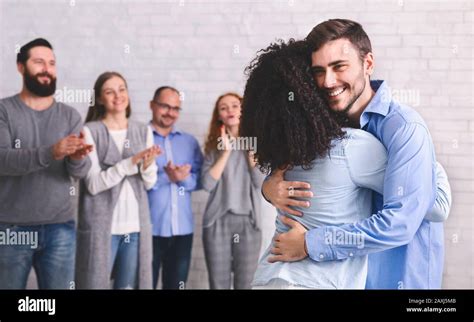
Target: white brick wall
[202, 47]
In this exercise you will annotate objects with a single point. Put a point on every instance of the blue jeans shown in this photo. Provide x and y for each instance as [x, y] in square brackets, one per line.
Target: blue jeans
[50, 249]
[124, 260]
[175, 255]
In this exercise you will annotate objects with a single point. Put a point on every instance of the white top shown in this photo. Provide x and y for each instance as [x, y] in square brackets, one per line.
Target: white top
[126, 212]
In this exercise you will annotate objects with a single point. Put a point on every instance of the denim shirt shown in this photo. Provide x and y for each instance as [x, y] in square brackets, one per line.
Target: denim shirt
[406, 250]
[342, 185]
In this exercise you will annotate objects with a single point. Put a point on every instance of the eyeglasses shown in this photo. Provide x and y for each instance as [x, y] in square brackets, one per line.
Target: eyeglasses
[166, 107]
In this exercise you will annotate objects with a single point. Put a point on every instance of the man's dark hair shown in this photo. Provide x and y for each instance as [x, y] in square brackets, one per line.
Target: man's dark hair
[24, 52]
[284, 111]
[334, 29]
[161, 89]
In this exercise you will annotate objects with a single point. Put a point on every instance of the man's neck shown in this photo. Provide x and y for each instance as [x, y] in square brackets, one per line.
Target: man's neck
[36, 103]
[163, 131]
[359, 106]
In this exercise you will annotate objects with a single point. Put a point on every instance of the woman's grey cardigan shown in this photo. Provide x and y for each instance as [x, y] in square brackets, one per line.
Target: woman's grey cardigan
[95, 213]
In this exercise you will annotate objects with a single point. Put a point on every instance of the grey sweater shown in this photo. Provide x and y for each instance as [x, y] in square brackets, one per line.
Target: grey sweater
[237, 191]
[35, 188]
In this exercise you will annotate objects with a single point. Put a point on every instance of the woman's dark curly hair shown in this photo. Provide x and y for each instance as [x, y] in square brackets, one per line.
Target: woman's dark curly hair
[284, 110]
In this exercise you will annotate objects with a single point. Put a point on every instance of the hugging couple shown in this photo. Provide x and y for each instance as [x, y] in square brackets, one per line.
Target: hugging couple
[353, 174]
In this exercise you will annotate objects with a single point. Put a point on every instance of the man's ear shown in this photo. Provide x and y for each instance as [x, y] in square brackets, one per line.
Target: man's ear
[21, 68]
[369, 64]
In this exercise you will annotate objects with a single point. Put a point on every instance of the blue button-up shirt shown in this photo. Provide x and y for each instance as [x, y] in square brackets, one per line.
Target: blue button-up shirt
[405, 250]
[170, 203]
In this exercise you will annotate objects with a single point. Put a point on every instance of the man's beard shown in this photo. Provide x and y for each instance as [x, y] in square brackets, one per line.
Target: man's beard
[164, 124]
[36, 87]
[343, 116]
[354, 98]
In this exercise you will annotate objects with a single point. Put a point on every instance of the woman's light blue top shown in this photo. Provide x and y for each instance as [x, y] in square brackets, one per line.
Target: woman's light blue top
[341, 184]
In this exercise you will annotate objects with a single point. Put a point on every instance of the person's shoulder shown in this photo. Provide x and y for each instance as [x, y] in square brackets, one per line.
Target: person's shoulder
[189, 137]
[7, 102]
[211, 156]
[139, 125]
[352, 139]
[68, 111]
[400, 115]
[357, 138]
[65, 107]
[93, 125]
[364, 150]
[356, 134]
[403, 124]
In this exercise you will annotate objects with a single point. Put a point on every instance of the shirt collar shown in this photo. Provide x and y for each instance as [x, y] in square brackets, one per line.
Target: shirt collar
[380, 103]
[174, 129]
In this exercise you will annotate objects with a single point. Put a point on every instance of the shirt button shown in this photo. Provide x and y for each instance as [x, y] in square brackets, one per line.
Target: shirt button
[321, 256]
[350, 254]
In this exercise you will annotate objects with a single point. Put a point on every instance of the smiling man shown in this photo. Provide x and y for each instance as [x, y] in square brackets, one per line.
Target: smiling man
[336, 68]
[179, 167]
[41, 147]
[405, 248]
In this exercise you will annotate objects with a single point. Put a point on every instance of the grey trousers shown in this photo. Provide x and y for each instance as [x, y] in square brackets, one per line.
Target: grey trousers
[231, 244]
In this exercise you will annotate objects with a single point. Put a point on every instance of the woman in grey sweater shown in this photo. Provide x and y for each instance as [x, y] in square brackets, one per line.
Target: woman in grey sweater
[231, 227]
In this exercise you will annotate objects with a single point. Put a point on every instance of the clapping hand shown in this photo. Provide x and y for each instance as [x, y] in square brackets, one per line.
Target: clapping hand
[177, 173]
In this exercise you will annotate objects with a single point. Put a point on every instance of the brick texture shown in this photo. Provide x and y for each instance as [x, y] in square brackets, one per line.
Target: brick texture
[422, 48]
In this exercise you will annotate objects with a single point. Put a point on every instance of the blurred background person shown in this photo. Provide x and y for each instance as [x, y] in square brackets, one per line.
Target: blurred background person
[41, 147]
[231, 225]
[170, 199]
[114, 233]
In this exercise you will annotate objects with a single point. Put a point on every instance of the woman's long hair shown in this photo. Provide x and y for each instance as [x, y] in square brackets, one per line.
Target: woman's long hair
[97, 110]
[283, 109]
[214, 131]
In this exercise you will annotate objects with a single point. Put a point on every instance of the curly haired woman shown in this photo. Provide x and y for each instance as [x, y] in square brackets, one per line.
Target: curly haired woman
[295, 130]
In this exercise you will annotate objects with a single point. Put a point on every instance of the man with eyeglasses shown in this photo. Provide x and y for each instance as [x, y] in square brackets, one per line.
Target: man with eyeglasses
[170, 199]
